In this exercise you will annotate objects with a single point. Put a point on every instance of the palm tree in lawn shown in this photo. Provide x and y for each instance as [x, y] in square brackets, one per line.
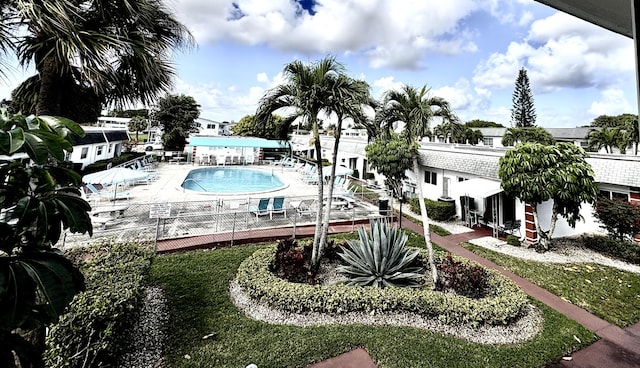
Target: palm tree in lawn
[120, 54]
[415, 108]
[310, 92]
[347, 103]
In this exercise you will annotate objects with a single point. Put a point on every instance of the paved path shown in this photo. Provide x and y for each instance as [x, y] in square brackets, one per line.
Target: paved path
[619, 348]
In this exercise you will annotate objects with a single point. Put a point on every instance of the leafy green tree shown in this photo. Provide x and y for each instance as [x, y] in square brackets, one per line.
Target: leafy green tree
[120, 54]
[392, 158]
[177, 115]
[129, 113]
[621, 219]
[137, 124]
[523, 113]
[271, 129]
[535, 173]
[476, 123]
[471, 136]
[415, 108]
[38, 200]
[310, 91]
[449, 131]
[514, 136]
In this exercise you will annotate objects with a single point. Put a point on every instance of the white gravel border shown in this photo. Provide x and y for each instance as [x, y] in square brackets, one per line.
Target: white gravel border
[520, 331]
[566, 250]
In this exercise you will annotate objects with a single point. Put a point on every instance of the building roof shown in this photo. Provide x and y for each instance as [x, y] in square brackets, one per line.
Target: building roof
[480, 163]
[616, 169]
[99, 135]
[614, 15]
[236, 142]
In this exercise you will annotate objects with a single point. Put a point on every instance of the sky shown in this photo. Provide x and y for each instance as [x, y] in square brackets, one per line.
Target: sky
[466, 51]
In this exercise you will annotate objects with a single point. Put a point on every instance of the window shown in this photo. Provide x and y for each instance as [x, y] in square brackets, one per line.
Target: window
[487, 141]
[430, 177]
[99, 150]
[211, 126]
[110, 147]
[620, 196]
[460, 178]
[84, 153]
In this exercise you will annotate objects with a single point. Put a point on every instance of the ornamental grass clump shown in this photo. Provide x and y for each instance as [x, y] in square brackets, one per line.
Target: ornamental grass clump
[380, 259]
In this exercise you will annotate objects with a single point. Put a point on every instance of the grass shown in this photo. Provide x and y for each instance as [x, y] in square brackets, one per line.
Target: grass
[196, 286]
[607, 292]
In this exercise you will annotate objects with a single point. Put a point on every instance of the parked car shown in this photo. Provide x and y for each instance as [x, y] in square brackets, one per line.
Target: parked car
[153, 146]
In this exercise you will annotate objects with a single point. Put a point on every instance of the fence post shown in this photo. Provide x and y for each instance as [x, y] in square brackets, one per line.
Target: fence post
[233, 228]
[295, 221]
[155, 240]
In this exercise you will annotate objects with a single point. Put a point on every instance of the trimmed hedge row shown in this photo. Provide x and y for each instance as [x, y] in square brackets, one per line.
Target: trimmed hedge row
[93, 332]
[437, 211]
[623, 250]
[504, 302]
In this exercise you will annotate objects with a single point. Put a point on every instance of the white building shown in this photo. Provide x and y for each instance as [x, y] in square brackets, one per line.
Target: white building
[468, 175]
[208, 127]
[97, 144]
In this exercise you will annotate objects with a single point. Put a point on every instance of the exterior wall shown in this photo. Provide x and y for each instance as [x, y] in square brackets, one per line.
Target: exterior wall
[95, 152]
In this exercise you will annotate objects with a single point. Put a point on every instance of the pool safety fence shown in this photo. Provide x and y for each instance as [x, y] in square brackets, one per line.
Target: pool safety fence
[177, 226]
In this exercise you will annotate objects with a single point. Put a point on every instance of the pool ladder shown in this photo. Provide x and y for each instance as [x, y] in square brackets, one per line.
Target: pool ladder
[195, 181]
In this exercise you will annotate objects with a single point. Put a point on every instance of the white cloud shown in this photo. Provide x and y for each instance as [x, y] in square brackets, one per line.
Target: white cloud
[612, 102]
[386, 32]
[560, 51]
[459, 96]
[382, 85]
[262, 78]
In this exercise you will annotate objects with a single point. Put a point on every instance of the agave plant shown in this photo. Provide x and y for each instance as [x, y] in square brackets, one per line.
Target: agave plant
[380, 258]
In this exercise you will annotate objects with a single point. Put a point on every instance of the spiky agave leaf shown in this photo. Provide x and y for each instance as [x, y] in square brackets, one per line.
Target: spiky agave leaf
[379, 258]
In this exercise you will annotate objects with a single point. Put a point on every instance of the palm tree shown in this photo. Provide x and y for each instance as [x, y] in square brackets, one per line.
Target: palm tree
[606, 138]
[120, 53]
[415, 108]
[311, 90]
[349, 98]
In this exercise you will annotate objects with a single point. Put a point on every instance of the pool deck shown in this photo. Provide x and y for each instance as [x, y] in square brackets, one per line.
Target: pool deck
[170, 176]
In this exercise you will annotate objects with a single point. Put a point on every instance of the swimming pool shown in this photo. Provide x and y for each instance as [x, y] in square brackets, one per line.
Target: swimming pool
[232, 180]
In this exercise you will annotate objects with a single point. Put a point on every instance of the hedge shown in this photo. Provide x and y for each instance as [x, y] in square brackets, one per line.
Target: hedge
[624, 250]
[437, 211]
[504, 302]
[93, 332]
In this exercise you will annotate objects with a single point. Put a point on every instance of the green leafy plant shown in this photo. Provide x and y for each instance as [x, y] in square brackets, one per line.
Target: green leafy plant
[38, 199]
[380, 258]
[438, 211]
[513, 240]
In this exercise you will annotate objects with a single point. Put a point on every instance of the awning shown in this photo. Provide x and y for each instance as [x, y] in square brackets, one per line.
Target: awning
[249, 142]
[477, 188]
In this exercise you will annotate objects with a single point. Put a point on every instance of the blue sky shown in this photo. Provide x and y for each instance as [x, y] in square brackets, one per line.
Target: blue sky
[467, 51]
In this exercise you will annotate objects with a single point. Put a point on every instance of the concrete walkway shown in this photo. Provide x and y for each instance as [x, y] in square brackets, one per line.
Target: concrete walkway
[618, 347]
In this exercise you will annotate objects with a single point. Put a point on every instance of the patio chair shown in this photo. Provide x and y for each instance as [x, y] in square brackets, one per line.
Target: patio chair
[277, 207]
[307, 207]
[261, 209]
[97, 195]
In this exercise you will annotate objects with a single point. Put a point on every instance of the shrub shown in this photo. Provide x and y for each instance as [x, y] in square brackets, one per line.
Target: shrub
[513, 240]
[464, 278]
[437, 211]
[289, 262]
[624, 250]
[380, 258]
[93, 331]
[504, 301]
[621, 219]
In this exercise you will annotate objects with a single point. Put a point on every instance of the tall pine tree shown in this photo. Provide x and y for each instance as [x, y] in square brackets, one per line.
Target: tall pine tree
[523, 114]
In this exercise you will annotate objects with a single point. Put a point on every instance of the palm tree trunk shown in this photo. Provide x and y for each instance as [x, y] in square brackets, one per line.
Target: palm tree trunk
[425, 221]
[327, 216]
[48, 97]
[316, 251]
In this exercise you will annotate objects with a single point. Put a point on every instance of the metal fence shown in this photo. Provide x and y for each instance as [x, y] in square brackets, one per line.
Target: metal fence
[194, 223]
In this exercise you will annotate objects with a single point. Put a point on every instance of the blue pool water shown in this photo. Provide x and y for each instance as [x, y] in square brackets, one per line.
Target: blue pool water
[231, 180]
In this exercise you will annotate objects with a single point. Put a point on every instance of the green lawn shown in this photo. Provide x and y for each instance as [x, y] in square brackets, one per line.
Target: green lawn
[196, 286]
[607, 292]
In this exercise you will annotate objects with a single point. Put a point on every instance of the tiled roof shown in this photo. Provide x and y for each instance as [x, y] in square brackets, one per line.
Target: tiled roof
[616, 169]
[478, 163]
